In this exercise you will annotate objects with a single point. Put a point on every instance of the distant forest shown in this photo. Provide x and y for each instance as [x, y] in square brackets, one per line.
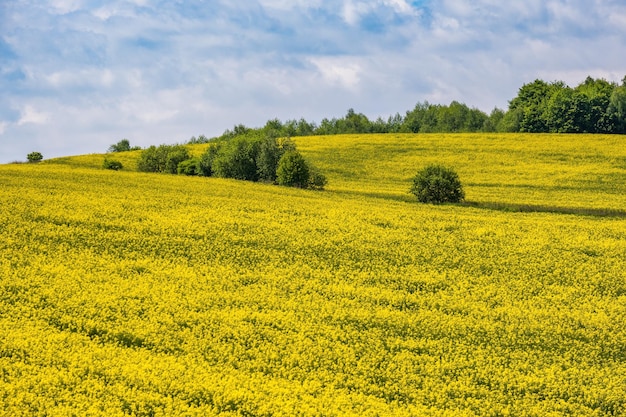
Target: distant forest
[594, 106]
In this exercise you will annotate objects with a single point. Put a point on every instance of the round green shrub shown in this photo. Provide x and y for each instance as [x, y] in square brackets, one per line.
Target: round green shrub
[292, 170]
[34, 157]
[112, 164]
[437, 184]
[317, 180]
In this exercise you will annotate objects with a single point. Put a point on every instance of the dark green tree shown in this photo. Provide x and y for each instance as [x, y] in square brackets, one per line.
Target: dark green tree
[437, 184]
[271, 149]
[292, 170]
[596, 96]
[34, 157]
[616, 111]
[237, 159]
[531, 102]
[205, 165]
[121, 146]
[163, 158]
[189, 167]
[493, 121]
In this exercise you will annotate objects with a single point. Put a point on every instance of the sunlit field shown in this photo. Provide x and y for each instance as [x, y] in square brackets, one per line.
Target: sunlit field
[124, 293]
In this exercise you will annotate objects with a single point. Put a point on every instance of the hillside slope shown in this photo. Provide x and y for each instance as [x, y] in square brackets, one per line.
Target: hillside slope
[124, 293]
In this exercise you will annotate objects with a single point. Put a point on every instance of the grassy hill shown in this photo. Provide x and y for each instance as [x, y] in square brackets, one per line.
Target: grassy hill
[124, 293]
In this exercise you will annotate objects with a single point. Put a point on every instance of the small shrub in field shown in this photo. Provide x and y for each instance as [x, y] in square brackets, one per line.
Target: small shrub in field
[189, 167]
[292, 170]
[112, 164]
[34, 157]
[437, 184]
[317, 180]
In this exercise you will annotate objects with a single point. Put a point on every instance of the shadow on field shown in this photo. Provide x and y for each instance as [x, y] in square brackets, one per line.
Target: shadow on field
[529, 208]
[371, 194]
[506, 207]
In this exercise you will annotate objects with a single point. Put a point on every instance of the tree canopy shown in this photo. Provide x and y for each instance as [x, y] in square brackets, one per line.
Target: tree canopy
[593, 106]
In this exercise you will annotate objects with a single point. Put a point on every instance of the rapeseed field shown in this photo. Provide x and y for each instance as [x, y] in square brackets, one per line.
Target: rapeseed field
[124, 293]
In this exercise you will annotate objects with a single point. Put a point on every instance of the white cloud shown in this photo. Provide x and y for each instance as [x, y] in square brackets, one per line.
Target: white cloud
[343, 72]
[66, 6]
[401, 6]
[3, 127]
[91, 77]
[32, 115]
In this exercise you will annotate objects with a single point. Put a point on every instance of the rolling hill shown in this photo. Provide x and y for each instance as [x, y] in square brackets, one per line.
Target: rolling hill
[126, 293]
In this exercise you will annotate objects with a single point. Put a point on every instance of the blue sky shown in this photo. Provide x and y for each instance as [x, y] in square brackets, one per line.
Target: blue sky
[79, 75]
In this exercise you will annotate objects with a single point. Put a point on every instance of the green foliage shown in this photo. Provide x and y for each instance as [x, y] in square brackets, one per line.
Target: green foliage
[198, 140]
[457, 117]
[189, 167]
[617, 109]
[205, 165]
[594, 106]
[254, 158]
[122, 146]
[317, 180]
[493, 121]
[34, 157]
[437, 184]
[542, 107]
[164, 158]
[112, 164]
[292, 170]
[271, 150]
[237, 159]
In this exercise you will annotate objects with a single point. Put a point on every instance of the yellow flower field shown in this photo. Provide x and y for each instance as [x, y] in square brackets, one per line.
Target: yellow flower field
[124, 293]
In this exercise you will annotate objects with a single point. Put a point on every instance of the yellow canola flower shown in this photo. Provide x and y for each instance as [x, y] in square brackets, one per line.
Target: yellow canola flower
[133, 294]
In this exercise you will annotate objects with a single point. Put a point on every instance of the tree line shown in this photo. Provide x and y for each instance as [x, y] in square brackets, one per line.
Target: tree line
[267, 153]
[593, 106]
[250, 156]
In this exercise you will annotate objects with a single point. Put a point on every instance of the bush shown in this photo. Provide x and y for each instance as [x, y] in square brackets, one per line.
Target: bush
[271, 150]
[292, 170]
[237, 159]
[317, 180]
[189, 167]
[111, 164]
[34, 157]
[164, 158]
[437, 184]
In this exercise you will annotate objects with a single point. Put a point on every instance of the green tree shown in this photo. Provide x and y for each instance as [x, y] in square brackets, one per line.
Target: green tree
[189, 167]
[437, 184]
[596, 94]
[495, 118]
[34, 157]
[237, 159]
[205, 165]
[292, 170]
[270, 151]
[163, 158]
[560, 114]
[121, 146]
[616, 111]
[532, 101]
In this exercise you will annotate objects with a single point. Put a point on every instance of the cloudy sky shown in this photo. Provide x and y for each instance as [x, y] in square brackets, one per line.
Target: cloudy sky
[79, 75]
